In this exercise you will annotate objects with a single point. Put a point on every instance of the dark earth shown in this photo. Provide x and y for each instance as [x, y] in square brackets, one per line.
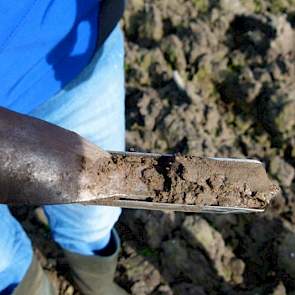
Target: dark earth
[205, 78]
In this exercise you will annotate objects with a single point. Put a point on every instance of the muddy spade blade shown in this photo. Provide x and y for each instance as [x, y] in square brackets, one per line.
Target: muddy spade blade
[41, 163]
[187, 183]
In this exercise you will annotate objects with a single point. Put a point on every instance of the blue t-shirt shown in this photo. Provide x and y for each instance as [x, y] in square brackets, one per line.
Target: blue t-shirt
[43, 45]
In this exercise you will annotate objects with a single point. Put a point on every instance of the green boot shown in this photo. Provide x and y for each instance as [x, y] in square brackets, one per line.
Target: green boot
[35, 282]
[94, 275]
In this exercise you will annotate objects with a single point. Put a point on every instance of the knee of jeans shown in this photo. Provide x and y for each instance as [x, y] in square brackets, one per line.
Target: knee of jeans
[87, 223]
[15, 247]
[5, 260]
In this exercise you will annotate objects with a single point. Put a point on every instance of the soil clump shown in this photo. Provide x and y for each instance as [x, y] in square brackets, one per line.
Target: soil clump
[185, 180]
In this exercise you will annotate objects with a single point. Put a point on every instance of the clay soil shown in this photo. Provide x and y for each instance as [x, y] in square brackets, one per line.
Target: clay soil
[188, 180]
[205, 78]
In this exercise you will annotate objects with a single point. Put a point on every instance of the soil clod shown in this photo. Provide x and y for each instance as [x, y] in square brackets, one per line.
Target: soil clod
[186, 180]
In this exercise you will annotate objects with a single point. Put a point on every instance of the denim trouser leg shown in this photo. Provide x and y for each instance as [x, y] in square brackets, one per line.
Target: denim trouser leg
[93, 106]
[15, 251]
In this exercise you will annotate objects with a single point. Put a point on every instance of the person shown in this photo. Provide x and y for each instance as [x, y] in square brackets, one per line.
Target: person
[62, 61]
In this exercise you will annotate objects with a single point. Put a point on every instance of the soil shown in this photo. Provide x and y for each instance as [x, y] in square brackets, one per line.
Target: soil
[205, 78]
[184, 180]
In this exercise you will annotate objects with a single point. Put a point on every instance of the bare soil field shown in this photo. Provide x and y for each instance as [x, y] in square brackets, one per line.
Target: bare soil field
[205, 78]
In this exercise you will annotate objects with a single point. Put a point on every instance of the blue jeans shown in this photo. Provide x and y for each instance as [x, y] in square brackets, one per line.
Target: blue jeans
[93, 106]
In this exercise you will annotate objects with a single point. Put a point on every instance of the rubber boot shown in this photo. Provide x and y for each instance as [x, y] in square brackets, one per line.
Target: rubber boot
[94, 275]
[35, 282]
